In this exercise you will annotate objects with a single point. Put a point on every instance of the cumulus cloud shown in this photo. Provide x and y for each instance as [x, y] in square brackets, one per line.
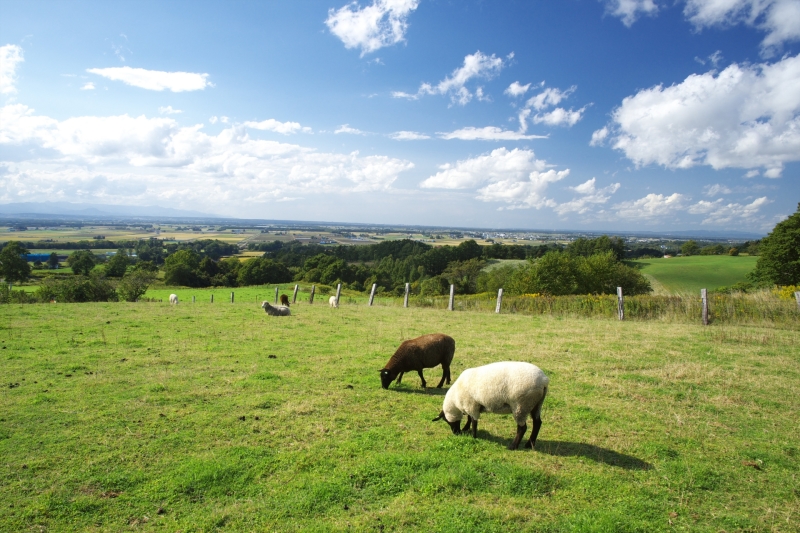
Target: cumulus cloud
[517, 89]
[716, 190]
[271, 124]
[345, 128]
[630, 10]
[780, 19]
[655, 207]
[599, 136]
[746, 116]
[10, 57]
[477, 65]
[383, 23]
[88, 86]
[80, 158]
[549, 97]
[154, 80]
[169, 110]
[488, 133]
[589, 196]
[514, 177]
[408, 136]
[559, 117]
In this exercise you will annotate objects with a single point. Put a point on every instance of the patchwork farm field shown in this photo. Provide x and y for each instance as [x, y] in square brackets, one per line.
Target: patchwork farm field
[690, 274]
[142, 417]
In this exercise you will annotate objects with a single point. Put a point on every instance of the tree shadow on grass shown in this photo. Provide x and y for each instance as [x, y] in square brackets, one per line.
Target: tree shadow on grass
[590, 451]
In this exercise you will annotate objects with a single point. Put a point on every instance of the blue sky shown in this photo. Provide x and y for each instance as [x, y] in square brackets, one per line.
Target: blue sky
[576, 114]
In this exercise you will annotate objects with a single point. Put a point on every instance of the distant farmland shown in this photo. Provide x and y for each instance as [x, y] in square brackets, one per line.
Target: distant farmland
[690, 274]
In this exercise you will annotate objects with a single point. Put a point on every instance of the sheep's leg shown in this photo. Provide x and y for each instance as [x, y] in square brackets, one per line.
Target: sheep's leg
[474, 428]
[468, 424]
[537, 424]
[399, 378]
[520, 432]
[445, 372]
[424, 385]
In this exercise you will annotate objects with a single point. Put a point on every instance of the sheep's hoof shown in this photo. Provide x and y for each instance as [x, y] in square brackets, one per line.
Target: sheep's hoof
[528, 445]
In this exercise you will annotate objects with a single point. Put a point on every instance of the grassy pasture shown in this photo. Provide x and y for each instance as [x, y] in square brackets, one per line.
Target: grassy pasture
[151, 417]
[690, 274]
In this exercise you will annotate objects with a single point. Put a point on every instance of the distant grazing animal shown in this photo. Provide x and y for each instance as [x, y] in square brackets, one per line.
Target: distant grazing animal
[506, 387]
[173, 299]
[284, 300]
[426, 351]
[277, 310]
[333, 302]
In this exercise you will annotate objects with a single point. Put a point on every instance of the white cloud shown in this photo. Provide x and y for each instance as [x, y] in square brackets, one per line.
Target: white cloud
[88, 86]
[744, 117]
[517, 89]
[651, 206]
[599, 136]
[488, 133]
[630, 10]
[716, 190]
[657, 206]
[79, 158]
[408, 136]
[559, 117]
[752, 173]
[780, 19]
[10, 57]
[170, 111]
[477, 65]
[513, 177]
[549, 97]
[345, 128]
[271, 124]
[589, 197]
[383, 23]
[154, 80]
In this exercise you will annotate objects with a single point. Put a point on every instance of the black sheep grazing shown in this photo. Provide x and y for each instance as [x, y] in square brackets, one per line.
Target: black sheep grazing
[284, 300]
[426, 351]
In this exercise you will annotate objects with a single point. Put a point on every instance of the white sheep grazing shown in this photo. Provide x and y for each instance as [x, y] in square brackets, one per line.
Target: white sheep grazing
[506, 387]
[333, 302]
[173, 299]
[277, 310]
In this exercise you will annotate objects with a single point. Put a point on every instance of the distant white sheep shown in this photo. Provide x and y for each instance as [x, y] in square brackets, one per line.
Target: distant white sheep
[332, 301]
[505, 387]
[277, 310]
[173, 299]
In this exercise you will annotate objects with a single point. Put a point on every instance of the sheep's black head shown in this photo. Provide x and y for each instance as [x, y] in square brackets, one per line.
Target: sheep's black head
[387, 376]
[455, 426]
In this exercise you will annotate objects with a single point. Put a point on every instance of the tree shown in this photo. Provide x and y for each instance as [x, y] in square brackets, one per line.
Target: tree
[81, 262]
[690, 248]
[135, 284]
[181, 268]
[260, 271]
[13, 262]
[118, 264]
[779, 254]
[52, 261]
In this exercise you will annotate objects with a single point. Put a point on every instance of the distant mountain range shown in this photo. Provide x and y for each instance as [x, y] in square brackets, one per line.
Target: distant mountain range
[96, 210]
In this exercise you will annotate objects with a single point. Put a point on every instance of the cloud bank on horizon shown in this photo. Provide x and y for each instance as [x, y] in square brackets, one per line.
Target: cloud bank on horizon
[714, 148]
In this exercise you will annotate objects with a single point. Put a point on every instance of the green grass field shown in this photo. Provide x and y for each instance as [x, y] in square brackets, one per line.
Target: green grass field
[690, 274]
[150, 417]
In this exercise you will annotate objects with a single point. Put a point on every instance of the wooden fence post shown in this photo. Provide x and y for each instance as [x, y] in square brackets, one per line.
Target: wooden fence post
[193, 299]
[797, 297]
[212, 298]
[499, 300]
[704, 296]
[231, 296]
[405, 299]
[620, 304]
[311, 298]
[294, 298]
[452, 297]
[372, 293]
[338, 292]
[276, 294]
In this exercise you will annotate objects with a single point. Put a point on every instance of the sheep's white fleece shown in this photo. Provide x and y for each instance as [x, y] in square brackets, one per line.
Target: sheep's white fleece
[332, 301]
[504, 387]
[173, 299]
